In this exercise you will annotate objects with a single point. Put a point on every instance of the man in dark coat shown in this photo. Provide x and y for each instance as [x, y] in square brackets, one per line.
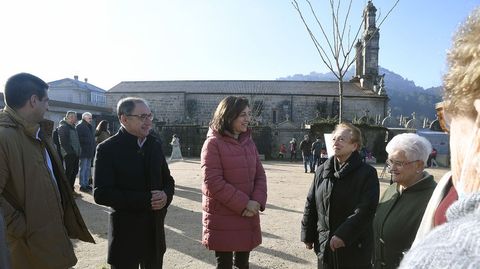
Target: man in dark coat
[305, 147]
[87, 144]
[132, 177]
[70, 146]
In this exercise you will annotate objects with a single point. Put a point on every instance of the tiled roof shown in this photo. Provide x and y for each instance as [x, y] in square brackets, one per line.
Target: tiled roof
[328, 88]
[74, 84]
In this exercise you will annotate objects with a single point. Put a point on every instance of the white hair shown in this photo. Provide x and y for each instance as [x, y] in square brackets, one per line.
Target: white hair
[414, 146]
[86, 114]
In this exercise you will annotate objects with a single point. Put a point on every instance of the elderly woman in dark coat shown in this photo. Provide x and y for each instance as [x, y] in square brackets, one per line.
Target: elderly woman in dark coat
[341, 203]
[401, 208]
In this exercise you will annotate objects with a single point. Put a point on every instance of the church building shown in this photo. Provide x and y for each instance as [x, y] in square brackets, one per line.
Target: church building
[272, 101]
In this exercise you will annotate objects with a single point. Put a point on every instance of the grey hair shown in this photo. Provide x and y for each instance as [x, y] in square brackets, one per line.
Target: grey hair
[86, 114]
[70, 112]
[126, 105]
[414, 146]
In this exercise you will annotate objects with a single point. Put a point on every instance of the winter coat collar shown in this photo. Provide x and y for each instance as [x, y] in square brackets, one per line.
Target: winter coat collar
[228, 137]
[83, 122]
[470, 205]
[424, 183]
[352, 163]
[65, 122]
[130, 139]
[10, 118]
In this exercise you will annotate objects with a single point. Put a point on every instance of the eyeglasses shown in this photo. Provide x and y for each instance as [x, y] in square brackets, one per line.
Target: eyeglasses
[390, 163]
[142, 117]
[443, 117]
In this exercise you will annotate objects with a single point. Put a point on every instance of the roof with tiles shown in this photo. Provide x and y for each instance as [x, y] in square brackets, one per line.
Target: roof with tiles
[68, 83]
[266, 87]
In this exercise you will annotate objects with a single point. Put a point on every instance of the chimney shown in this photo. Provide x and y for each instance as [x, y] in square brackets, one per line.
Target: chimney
[75, 77]
[86, 80]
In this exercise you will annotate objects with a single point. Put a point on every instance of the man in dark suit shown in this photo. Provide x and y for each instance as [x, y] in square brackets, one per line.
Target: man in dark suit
[132, 177]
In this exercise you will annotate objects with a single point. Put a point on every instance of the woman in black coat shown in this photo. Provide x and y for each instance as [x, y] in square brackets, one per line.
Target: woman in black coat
[340, 206]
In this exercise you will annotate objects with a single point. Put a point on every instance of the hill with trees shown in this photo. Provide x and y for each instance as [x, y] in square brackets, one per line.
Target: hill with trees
[405, 96]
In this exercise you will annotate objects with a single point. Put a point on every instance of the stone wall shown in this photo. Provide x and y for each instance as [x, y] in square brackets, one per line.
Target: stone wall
[180, 107]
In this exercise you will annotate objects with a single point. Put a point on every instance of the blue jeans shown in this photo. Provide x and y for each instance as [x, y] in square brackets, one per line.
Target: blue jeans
[85, 170]
[307, 162]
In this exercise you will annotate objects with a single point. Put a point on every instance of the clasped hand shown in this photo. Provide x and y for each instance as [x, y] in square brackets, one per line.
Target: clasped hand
[159, 199]
[252, 209]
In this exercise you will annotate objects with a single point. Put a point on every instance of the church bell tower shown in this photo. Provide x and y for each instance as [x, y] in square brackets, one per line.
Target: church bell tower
[366, 66]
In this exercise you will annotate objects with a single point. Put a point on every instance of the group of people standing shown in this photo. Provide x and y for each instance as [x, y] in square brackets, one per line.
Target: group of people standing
[39, 215]
[313, 154]
[416, 223]
[76, 144]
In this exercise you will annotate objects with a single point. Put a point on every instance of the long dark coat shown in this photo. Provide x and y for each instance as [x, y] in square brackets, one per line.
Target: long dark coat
[125, 174]
[397, 220]
[87, 139]
[342, 203]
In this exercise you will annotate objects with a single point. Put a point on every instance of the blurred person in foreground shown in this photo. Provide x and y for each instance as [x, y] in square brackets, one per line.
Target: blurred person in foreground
[456, 243]
[132, 177]
[341, 204]
[402, 205]
[234, 188]
[35, 196]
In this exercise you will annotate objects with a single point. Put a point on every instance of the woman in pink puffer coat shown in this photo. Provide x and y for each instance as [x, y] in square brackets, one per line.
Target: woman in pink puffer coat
[234, 185]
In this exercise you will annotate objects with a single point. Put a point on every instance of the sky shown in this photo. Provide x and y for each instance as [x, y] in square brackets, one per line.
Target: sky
[109, 41]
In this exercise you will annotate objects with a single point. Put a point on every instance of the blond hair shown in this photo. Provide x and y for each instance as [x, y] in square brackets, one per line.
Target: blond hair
[462, 81]
[354, 132]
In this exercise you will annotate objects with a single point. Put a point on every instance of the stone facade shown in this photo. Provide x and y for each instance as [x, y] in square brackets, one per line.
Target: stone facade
[272, 102]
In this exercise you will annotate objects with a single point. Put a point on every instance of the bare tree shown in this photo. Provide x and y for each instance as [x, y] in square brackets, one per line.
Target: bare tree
[336, 50]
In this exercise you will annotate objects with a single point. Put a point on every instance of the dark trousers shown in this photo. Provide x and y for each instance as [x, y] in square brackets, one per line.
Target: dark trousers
[142, 264]
[316, 161]
[71, 168]
[225, 260]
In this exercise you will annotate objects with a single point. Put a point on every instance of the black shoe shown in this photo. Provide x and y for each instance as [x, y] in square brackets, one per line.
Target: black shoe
[85, 189]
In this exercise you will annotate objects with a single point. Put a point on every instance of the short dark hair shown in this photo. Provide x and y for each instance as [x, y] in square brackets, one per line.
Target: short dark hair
[20, 87]
[227, 111]
[126, 105]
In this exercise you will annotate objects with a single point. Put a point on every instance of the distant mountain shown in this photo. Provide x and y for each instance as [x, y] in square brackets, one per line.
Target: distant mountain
[405, 96]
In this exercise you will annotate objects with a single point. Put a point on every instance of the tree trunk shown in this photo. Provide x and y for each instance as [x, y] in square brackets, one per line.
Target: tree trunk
[340, 100]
